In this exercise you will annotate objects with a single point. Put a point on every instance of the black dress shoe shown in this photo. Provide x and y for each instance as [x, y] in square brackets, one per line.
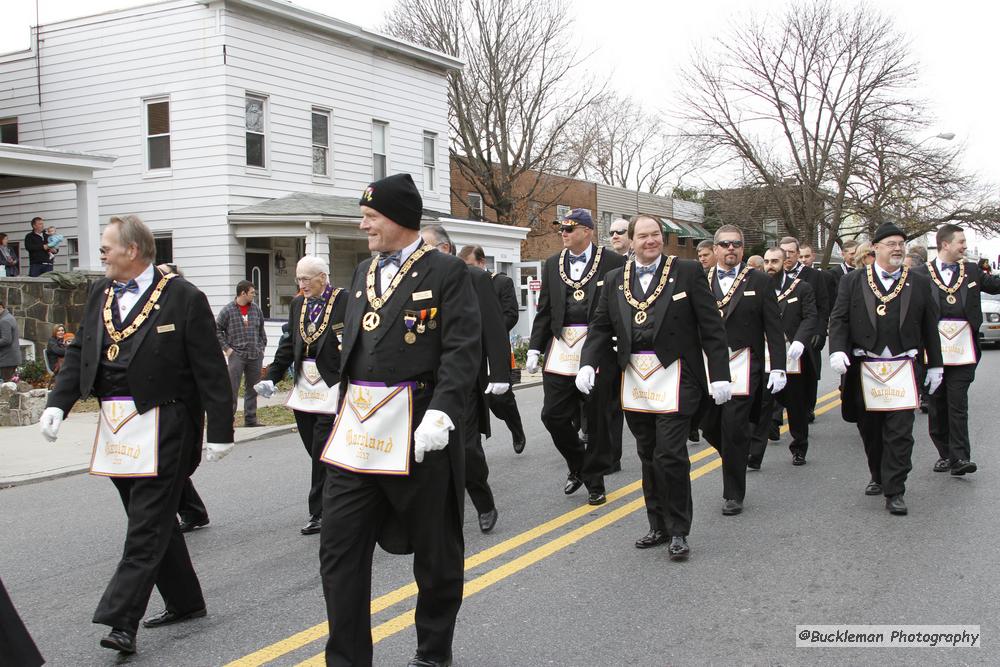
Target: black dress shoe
[253, 424]
[487, 520]
[313, 525]
[895, 504]
[420, 661]
[798, 460]
[168, 617]
[962, 466]
[188, 526]
[694, 436]
[679, 549]
[519, 442]
[120, 640]
[774, 433]
[596, 498]
[873, 489]
[653, 538]
[573, 482]
[732, 507]
[942, 465]
[753, 463]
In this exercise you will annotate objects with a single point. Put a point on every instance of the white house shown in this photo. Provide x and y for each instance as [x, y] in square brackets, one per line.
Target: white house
[243, 132]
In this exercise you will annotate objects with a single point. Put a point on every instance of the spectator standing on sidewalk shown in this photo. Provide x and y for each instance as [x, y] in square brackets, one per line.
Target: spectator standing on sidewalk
[10, 348]
[39, 253]
[240, 328]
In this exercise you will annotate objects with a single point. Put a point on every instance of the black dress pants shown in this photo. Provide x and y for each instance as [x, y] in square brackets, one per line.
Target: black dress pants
[727, 428]
[314, 429]
[504, 408]
[888, 438]
[948, 413]
[17, 648]
[615, 419]
[354, 507]
[192, 508]
[155, 552]
[477, 471]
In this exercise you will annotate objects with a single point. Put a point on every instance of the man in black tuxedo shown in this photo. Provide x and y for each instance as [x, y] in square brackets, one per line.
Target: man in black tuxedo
[622, 243]
[503, 406]
[796, 269]
[572, 281]
[314, 339]
[797, 309]
[745, 298]
[836, 273]
[412, 325]
[151, 339]
[883, 312]
[493, 380]
[668, 310]
[957, 286]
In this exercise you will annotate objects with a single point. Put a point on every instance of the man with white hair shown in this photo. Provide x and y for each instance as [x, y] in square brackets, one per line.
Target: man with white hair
[312, 348]
[618, 234]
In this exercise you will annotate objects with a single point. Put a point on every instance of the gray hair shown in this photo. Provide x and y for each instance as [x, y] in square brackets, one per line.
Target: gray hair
[313, 264]
[133, 231]
[440, 236]
[706, 244]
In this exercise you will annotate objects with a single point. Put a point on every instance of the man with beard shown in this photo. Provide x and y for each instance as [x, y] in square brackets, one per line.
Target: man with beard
[797, 309]
[884, 318]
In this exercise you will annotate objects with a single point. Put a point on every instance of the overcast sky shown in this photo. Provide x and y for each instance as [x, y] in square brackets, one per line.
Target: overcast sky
[642, 43]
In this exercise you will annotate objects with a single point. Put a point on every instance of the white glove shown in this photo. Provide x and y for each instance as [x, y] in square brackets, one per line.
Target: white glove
[50, 422]
[531, 365]
[722, 391]
[795, 350]
[776, 381]
[215, 451]
[839, 362]
[585, 378]
[432, 434]
[265, 388]
[497, 388]
[934, 378]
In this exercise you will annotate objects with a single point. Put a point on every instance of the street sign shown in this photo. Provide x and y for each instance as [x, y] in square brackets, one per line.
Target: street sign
[535, 285]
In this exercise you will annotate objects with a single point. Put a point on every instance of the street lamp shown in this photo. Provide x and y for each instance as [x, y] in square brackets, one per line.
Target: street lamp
[944, 136]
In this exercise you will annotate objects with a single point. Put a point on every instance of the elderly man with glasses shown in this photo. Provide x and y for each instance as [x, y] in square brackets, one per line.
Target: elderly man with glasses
[618, 235]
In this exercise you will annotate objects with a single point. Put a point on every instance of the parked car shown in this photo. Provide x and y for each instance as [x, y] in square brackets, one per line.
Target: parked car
[989, 330]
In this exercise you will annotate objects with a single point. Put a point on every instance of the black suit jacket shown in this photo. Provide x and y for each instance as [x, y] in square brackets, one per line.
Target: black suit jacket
[552, 299]
[834, 275]
[798, 314]
[969, 294]
[35, 245]
[495, 359]
[686, 322]
[751, 315]
[185, 363]
[504, 286]
[853, 321]
[292, 349]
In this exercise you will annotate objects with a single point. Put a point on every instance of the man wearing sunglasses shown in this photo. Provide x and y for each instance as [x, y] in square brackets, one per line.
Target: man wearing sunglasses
[572, 281]
[749, 306]
[618, 233]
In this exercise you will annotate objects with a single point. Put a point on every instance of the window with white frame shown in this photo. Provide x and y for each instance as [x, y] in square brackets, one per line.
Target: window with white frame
[256, 130]
[771, 232]
[475, 201]
[157, 134]
[8, 130]
[380, 149]
[562, 211]
[320, 142]
[430, 161]
[73, 252]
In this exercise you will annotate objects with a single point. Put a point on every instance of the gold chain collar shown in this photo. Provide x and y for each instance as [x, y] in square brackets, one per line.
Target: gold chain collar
[578, 284]
[641, 316]
[950, 291]
[885, 299]
[732, 288]
[376, 301]
[784, 295]
[109, 324]
[307, 338]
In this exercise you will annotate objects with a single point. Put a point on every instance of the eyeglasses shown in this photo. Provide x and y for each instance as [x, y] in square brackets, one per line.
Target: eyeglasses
[567, 229]
[617, 232]
[729, 244]
[300, 279]
[893, 245]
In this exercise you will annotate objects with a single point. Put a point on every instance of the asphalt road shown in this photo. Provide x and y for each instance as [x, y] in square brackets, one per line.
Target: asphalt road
[557, 582]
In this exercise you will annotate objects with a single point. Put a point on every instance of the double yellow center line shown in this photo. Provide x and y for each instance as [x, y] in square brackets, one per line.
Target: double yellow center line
[491, 577]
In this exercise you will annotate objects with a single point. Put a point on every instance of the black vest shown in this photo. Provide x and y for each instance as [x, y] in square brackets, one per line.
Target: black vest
[887, 326]
[642, 334]
[112, 376]
[949, 311]
[363, 364]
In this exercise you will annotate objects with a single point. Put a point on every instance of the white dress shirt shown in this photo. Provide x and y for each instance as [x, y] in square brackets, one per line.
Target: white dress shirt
[576, 268]
[645, 280]
[794, 271]
[127, 301]
[389, 271]
[727, 282]
[887, 283]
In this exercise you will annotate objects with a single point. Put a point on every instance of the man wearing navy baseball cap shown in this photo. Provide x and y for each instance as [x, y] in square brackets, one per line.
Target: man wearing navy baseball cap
[572, 281]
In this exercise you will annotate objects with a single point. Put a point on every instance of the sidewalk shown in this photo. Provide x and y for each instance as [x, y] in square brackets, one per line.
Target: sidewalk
[26, 456]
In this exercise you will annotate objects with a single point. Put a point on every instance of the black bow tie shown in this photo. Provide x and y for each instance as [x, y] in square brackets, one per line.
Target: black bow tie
[641, 271]
[577, 258]
[390, 258]
[120, 288]
[731, 273]
[949, 267]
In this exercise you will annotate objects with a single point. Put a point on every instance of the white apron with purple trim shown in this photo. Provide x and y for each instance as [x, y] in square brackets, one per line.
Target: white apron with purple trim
[792, 366]
[310, 393]
[889, 384]
[649, 387]
[127, 443]
[957, 348]
[739, 371]
[373, 432]
[563, 357]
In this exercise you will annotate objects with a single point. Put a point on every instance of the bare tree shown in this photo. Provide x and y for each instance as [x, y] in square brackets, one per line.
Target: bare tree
[618, 143]
[522, 85]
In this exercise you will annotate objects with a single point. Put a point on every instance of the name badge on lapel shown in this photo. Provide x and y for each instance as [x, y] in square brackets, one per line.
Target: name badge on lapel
[679, 296]
[750, 292]
[165, 328]
[793, 299]
[420, 296]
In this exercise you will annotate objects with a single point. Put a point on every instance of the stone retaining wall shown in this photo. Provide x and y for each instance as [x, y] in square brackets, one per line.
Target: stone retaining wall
[22, 406]
[39, 304]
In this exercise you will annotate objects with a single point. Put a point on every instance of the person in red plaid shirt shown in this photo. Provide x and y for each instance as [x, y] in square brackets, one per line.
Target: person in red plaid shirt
[240, 327]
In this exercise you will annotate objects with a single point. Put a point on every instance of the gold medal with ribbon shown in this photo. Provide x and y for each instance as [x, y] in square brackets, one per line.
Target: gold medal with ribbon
[310, 333]
[950, 291]
[109, 325]
[641, 306]
[372, 319]
[886, 299]
[578, 285]
[732, 288]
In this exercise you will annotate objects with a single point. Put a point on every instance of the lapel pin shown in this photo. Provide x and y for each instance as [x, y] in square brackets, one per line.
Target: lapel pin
[357, 295]
[156, 306]
[413, 275]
